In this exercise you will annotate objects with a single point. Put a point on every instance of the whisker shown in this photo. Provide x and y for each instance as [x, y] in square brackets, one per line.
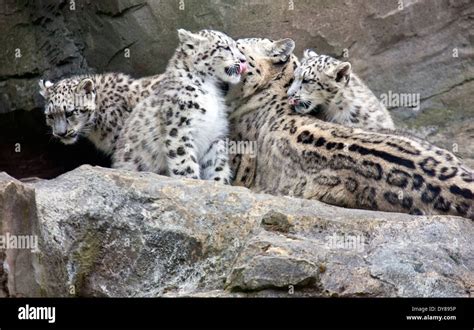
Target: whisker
[306, 104]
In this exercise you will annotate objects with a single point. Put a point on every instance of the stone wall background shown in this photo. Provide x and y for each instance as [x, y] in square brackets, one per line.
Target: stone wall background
[407, 46]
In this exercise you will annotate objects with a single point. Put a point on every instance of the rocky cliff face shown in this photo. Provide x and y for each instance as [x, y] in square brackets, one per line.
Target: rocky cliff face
[406, 48]
[109, 233]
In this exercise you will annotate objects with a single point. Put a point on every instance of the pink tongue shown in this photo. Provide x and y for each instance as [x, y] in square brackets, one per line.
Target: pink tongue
[292, 101]
[242, 68]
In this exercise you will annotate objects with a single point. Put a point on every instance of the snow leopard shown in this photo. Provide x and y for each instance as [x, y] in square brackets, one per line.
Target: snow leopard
[180, 130]
[303, 156]
[328, 89]
[94, 106]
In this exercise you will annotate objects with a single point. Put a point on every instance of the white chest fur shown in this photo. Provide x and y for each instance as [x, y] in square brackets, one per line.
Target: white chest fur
[211, 125]
[102, 143]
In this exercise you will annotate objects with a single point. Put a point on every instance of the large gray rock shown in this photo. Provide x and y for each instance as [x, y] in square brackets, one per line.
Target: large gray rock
[113, 233]
[410, 46]
[18, 221]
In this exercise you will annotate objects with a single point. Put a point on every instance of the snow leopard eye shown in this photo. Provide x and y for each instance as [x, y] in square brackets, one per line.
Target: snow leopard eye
[225, 47]
[308, 81]
[70, 113]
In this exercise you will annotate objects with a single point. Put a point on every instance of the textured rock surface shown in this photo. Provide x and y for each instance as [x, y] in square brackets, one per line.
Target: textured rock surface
[17, 218]
[115, 233]
[421, 47]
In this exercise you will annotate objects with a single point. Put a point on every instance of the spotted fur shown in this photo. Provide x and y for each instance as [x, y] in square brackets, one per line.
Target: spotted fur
[300, 155]
[93, 106]
[328, 89]
[180, 130]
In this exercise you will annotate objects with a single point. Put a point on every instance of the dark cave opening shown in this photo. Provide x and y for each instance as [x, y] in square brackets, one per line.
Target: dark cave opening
[27, 149]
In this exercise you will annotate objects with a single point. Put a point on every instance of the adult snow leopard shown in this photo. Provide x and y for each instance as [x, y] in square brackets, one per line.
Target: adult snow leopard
[302, 156]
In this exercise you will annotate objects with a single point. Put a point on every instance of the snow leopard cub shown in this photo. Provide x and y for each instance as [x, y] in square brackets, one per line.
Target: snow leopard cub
[180, 130]
[94, 106]
[327, 88]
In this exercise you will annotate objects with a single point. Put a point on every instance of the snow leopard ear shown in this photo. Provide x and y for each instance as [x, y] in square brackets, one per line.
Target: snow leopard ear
[281, 50]
[45, 86]
[85, 86]
[309, 53]
[189, 39]
[342, 71]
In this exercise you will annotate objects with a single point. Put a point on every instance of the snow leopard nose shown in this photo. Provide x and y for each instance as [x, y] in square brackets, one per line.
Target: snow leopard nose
[61, 133]
[293, 89]
[60, 128]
